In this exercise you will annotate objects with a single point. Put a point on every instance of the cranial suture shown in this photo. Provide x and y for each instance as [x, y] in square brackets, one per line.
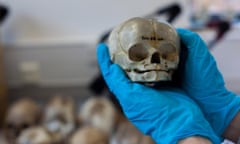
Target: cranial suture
[146, 49]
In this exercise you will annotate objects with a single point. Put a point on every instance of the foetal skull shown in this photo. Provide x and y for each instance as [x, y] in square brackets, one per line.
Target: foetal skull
[127, 133]
[37, 135]
[147, 50]
[100, 113]
[89, 135]
[21, 115]
[59, 115]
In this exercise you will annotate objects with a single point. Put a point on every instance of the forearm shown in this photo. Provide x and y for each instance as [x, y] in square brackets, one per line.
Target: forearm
[232, 132]
[195, 140]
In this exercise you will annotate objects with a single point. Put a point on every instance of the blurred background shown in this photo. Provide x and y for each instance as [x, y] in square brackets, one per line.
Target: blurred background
[47, 52]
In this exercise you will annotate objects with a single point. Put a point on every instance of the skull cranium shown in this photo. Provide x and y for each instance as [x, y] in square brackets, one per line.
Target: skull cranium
[89, 135]
[147, 50]
[127, 133]
[21, 115]
[99, 112]
[37, 135]
[59, 115]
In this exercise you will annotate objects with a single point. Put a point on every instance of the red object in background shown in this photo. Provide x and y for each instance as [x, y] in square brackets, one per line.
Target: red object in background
[221, 26]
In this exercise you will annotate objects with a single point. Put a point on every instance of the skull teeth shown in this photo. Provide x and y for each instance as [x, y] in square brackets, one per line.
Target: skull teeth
[144, 71]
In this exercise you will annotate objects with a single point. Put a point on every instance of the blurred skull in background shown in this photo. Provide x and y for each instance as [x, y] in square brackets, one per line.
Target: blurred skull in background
[59, 115]
[147, 50]
[21, 115]
[127, 133]
[38, 135]
[89, 135]
[99, 112]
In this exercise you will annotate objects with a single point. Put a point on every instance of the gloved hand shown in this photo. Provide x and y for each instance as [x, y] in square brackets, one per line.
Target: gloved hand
[204, 83]
[167, 115]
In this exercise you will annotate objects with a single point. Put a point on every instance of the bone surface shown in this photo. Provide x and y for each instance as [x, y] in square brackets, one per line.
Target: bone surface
[147, 49]
[99, 113]
[59, 115]
[37, 135]
[21, 115]
[127, 133]
[89, 135]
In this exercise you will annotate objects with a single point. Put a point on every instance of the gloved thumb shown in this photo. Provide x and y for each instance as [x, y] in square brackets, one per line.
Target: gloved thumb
[103, 58]
[112, 73]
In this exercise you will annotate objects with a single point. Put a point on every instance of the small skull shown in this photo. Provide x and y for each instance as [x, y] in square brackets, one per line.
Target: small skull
[37, 135]
[21, 115]
[59, 115]
[99, 113]
[89, 135]
[3, 139]
[127, 133]
[147, 50]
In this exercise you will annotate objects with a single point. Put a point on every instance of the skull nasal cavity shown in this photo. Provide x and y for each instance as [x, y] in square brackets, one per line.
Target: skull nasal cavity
[155, 58]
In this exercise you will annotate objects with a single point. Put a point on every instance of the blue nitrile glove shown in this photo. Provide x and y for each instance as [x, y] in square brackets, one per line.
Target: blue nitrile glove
[204, 83]
[166, 115]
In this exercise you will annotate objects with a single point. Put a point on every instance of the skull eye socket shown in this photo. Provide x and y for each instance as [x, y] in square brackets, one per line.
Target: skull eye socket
[10, 126]
[168, 51]
[25, 125]
[137, 52]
